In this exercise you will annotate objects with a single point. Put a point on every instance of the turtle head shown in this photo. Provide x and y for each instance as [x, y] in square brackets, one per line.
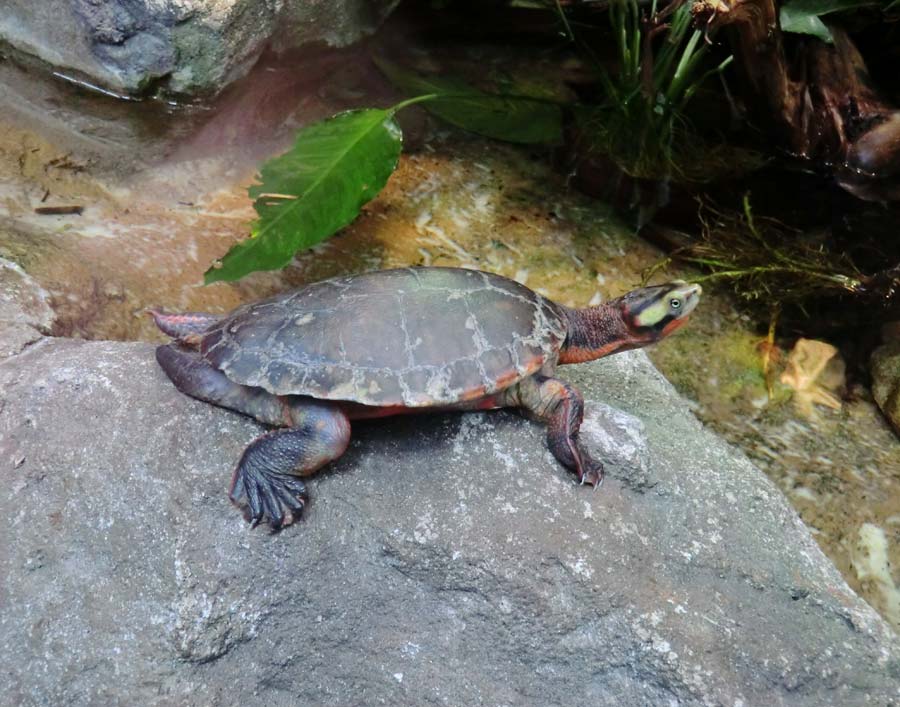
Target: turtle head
[633, 320]
[652, 313]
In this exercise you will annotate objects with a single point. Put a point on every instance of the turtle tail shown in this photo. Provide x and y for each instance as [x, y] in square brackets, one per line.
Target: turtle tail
[185, 327]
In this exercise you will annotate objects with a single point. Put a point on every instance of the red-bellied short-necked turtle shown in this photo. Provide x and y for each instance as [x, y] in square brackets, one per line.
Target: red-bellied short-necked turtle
[395, 342]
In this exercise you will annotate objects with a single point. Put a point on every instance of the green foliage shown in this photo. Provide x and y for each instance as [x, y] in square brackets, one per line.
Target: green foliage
[641, 123]
[339, 164]
[804, 16]
[513, 118]
[318, 187]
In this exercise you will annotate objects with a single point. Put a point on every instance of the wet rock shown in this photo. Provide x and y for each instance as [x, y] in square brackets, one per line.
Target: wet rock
[180, 46]
[885, 369]
[445, 559]
[619, 439]
[872, 566]
[25, 312]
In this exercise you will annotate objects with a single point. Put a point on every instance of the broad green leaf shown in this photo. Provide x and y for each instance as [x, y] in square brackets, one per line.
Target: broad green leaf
[802, 16]
[805, 24]
[521, 119]
[826, 7]
[318, 187]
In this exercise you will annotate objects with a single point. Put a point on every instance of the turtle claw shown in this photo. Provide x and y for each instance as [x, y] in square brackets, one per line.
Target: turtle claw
[592, 474]
[278, 497]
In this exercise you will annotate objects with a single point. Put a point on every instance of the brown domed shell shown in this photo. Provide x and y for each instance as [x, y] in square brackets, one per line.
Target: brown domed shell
[412, 337]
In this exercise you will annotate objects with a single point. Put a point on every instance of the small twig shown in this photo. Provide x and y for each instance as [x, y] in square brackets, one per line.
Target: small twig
[769, 348]
[648, 273]
[271, 195]
[59, 210]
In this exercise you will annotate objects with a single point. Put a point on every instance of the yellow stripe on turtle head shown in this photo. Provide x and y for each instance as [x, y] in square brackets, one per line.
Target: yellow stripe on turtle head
[662, 304]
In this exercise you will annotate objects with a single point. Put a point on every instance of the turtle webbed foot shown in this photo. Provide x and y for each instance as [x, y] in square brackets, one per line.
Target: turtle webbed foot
[278, 497]
[270, 492]
[268, 473]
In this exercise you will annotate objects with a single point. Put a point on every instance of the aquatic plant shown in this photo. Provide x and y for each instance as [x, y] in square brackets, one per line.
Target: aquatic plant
[765, 260]
[637, 121]
[316, 188]
[640, 124]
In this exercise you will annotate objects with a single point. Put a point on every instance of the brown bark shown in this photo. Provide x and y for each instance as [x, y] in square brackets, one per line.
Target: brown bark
[818, 99]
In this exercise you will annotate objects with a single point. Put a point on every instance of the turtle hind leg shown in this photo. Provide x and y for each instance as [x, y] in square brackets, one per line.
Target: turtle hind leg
[267, 472]
[193, 376]
[317, 433]
[186, 326]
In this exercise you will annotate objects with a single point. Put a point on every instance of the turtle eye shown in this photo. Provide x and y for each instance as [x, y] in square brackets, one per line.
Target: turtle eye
[675, 303]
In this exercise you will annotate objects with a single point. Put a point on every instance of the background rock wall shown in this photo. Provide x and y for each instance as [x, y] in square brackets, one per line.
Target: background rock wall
[177, 46]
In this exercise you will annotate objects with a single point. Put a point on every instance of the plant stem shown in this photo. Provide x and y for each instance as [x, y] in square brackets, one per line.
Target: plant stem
[413, 101]
[565, 21]
[842, 280]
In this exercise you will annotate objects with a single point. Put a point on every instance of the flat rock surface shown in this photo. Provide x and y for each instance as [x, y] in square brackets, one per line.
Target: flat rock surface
[445, 559]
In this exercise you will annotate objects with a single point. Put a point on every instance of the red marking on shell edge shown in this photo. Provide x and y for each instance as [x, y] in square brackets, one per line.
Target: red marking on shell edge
[489, 402]
[506, 379]
[473, 394]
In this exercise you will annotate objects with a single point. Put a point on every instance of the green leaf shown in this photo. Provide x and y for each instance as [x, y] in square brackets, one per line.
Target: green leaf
[318, 187]
[802, 16]
[805, 24]
[521, 119]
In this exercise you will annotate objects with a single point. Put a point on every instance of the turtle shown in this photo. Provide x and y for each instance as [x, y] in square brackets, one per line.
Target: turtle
[409, 340]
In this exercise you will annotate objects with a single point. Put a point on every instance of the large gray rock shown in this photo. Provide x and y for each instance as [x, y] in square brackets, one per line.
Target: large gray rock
[25, 313]
[445, 559]
[181, 46]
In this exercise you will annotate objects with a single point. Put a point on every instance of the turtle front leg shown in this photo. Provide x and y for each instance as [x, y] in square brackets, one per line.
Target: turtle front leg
[267, 472]
[561, 407]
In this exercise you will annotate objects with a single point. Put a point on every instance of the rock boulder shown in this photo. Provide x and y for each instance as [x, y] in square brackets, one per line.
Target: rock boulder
[178, 46]
[446, 559]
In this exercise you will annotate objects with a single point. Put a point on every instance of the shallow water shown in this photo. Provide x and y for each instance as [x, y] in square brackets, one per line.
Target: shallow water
[164, 194]
[840, 468]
